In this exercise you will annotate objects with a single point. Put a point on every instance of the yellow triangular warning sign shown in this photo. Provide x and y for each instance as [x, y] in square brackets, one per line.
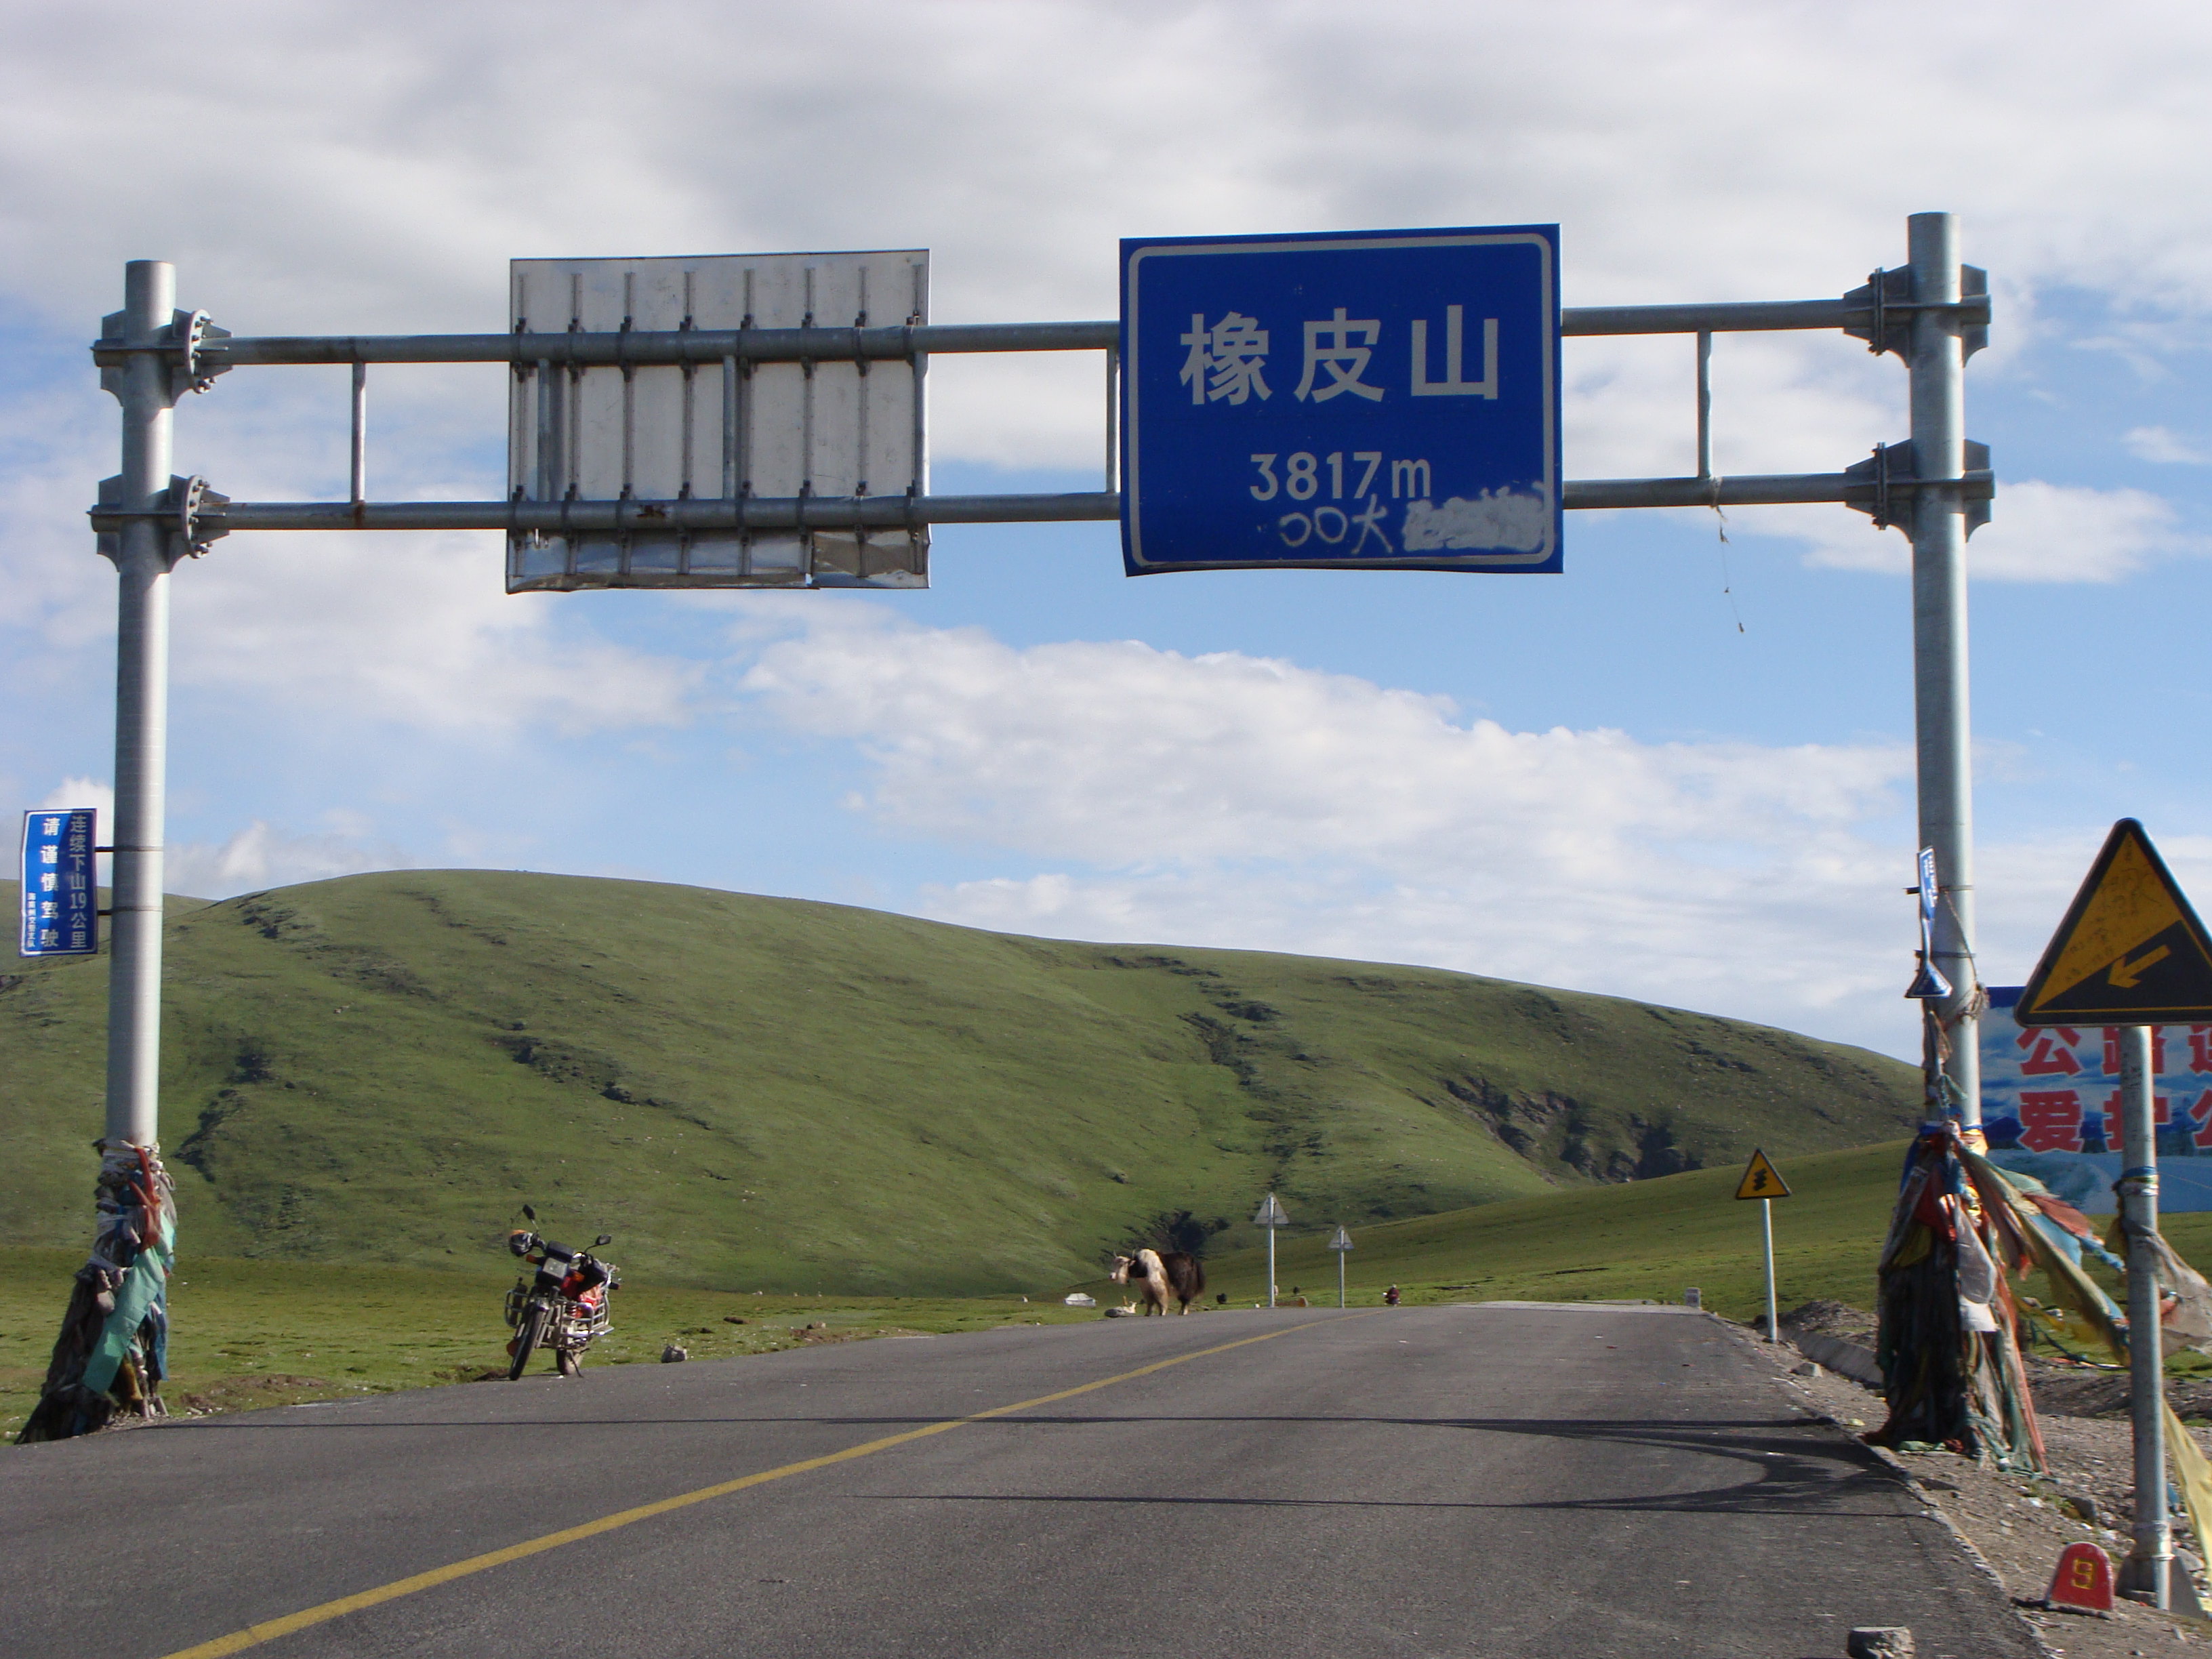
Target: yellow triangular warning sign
[1761, 1180]
[2130, 951]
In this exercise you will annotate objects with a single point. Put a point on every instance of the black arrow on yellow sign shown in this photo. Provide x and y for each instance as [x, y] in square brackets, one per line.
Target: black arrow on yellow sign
[2130, 951]
[1761, 1180]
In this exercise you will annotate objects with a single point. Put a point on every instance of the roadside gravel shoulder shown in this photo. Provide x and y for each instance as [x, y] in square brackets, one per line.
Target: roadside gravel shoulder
[2013, 1523]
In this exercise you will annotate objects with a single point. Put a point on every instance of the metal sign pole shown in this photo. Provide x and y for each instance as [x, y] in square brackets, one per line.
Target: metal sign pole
[1766, 1222]
[1939, 634]
[2147, 1568]
[1271, 1216]
[147, 390]
[109, 1355]
[1341, 1242]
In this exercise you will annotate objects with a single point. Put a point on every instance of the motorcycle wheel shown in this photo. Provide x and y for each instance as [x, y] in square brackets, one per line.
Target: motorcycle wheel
[566, 1363]
[527, 1340]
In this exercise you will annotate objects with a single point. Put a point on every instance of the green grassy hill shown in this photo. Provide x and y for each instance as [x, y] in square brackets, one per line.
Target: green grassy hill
[766, 1093]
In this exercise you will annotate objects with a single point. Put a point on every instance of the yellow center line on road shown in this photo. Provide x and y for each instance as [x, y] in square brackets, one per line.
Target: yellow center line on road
[254, 1635]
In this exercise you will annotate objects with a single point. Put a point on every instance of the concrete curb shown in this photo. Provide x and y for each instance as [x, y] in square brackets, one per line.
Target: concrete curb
[1844, 1359]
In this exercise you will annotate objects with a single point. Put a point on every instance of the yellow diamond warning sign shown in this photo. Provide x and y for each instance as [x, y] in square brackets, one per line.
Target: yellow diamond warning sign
[2130, 951]
[1761, 1180]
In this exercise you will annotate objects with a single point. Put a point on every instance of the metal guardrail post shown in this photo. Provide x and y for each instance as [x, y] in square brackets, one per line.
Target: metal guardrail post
[1942, 736]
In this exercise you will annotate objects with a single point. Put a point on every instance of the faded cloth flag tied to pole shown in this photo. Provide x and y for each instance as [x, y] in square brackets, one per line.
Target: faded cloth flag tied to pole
[1949, 1351]
[1950, 1357]
[113, 1350]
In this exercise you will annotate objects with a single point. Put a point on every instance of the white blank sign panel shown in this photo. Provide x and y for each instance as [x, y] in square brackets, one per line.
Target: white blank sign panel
[830, 427]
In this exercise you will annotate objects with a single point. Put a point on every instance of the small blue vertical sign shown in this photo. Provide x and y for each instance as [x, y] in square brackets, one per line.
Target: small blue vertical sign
[1343, 400]
[61, 906]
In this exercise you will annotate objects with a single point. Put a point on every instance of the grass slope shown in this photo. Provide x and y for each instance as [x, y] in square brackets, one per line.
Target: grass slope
[247, 1333]
[1646, 1239]
[781, 1095]
[258, 1333]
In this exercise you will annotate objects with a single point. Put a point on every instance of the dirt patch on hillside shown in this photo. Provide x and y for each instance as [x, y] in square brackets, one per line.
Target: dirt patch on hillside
[2092, 1391]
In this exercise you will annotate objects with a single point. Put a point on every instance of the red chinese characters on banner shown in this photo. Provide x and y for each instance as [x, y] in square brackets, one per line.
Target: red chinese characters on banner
[2062, 1083]
[2050, 1052]
[2200, 1049]
[2051, 1120]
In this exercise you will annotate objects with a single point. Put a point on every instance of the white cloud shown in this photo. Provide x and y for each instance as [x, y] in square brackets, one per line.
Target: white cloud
[410, 630]
[80, 792]
[259, 856]
[1236, 800]
[2156, 443]
[377, 164]
[2039, 532]
[1231, 800]
[416, 631]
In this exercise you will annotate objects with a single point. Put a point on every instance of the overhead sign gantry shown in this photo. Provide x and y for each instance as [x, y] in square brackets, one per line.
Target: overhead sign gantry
[652, 444]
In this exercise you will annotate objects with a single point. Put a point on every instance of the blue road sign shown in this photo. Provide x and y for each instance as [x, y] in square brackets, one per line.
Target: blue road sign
[61, 901]
[1347, 400]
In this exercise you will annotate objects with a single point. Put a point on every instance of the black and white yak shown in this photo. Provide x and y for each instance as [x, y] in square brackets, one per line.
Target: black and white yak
[1162, 1275]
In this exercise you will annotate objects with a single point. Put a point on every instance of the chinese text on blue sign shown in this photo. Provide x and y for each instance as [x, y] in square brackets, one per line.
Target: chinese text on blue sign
[2050, 1106]
[61, 909]
[1345, 400]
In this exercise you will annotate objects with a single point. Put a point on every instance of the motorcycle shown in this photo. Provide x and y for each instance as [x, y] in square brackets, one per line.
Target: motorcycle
[561, 1304]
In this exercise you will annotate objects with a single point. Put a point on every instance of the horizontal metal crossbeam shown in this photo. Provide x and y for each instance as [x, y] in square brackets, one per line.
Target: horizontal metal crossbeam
[755, 513]
[1759, 316]
[641, 347]
[893, 512]
[1767, 489]
[790, 345]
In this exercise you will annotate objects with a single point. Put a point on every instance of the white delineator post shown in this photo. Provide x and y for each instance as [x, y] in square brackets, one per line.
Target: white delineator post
[2149, 1566]
[1271, 1266]
[147, 389]
[1339, 1279]
[1940, 711]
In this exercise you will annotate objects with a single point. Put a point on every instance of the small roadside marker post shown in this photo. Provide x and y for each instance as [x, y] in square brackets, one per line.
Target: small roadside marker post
[1271, 1216]
[1341, 1245]
[2083, 1579]
[1763, 1181]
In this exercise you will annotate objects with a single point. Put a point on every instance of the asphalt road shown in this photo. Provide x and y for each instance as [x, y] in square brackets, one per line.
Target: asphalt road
[1499, 1480]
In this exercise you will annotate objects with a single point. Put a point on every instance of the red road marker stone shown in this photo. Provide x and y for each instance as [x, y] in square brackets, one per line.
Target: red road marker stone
[2084, 1579]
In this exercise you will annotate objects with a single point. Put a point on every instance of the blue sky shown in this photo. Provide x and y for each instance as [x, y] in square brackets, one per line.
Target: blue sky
[1679, 770]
